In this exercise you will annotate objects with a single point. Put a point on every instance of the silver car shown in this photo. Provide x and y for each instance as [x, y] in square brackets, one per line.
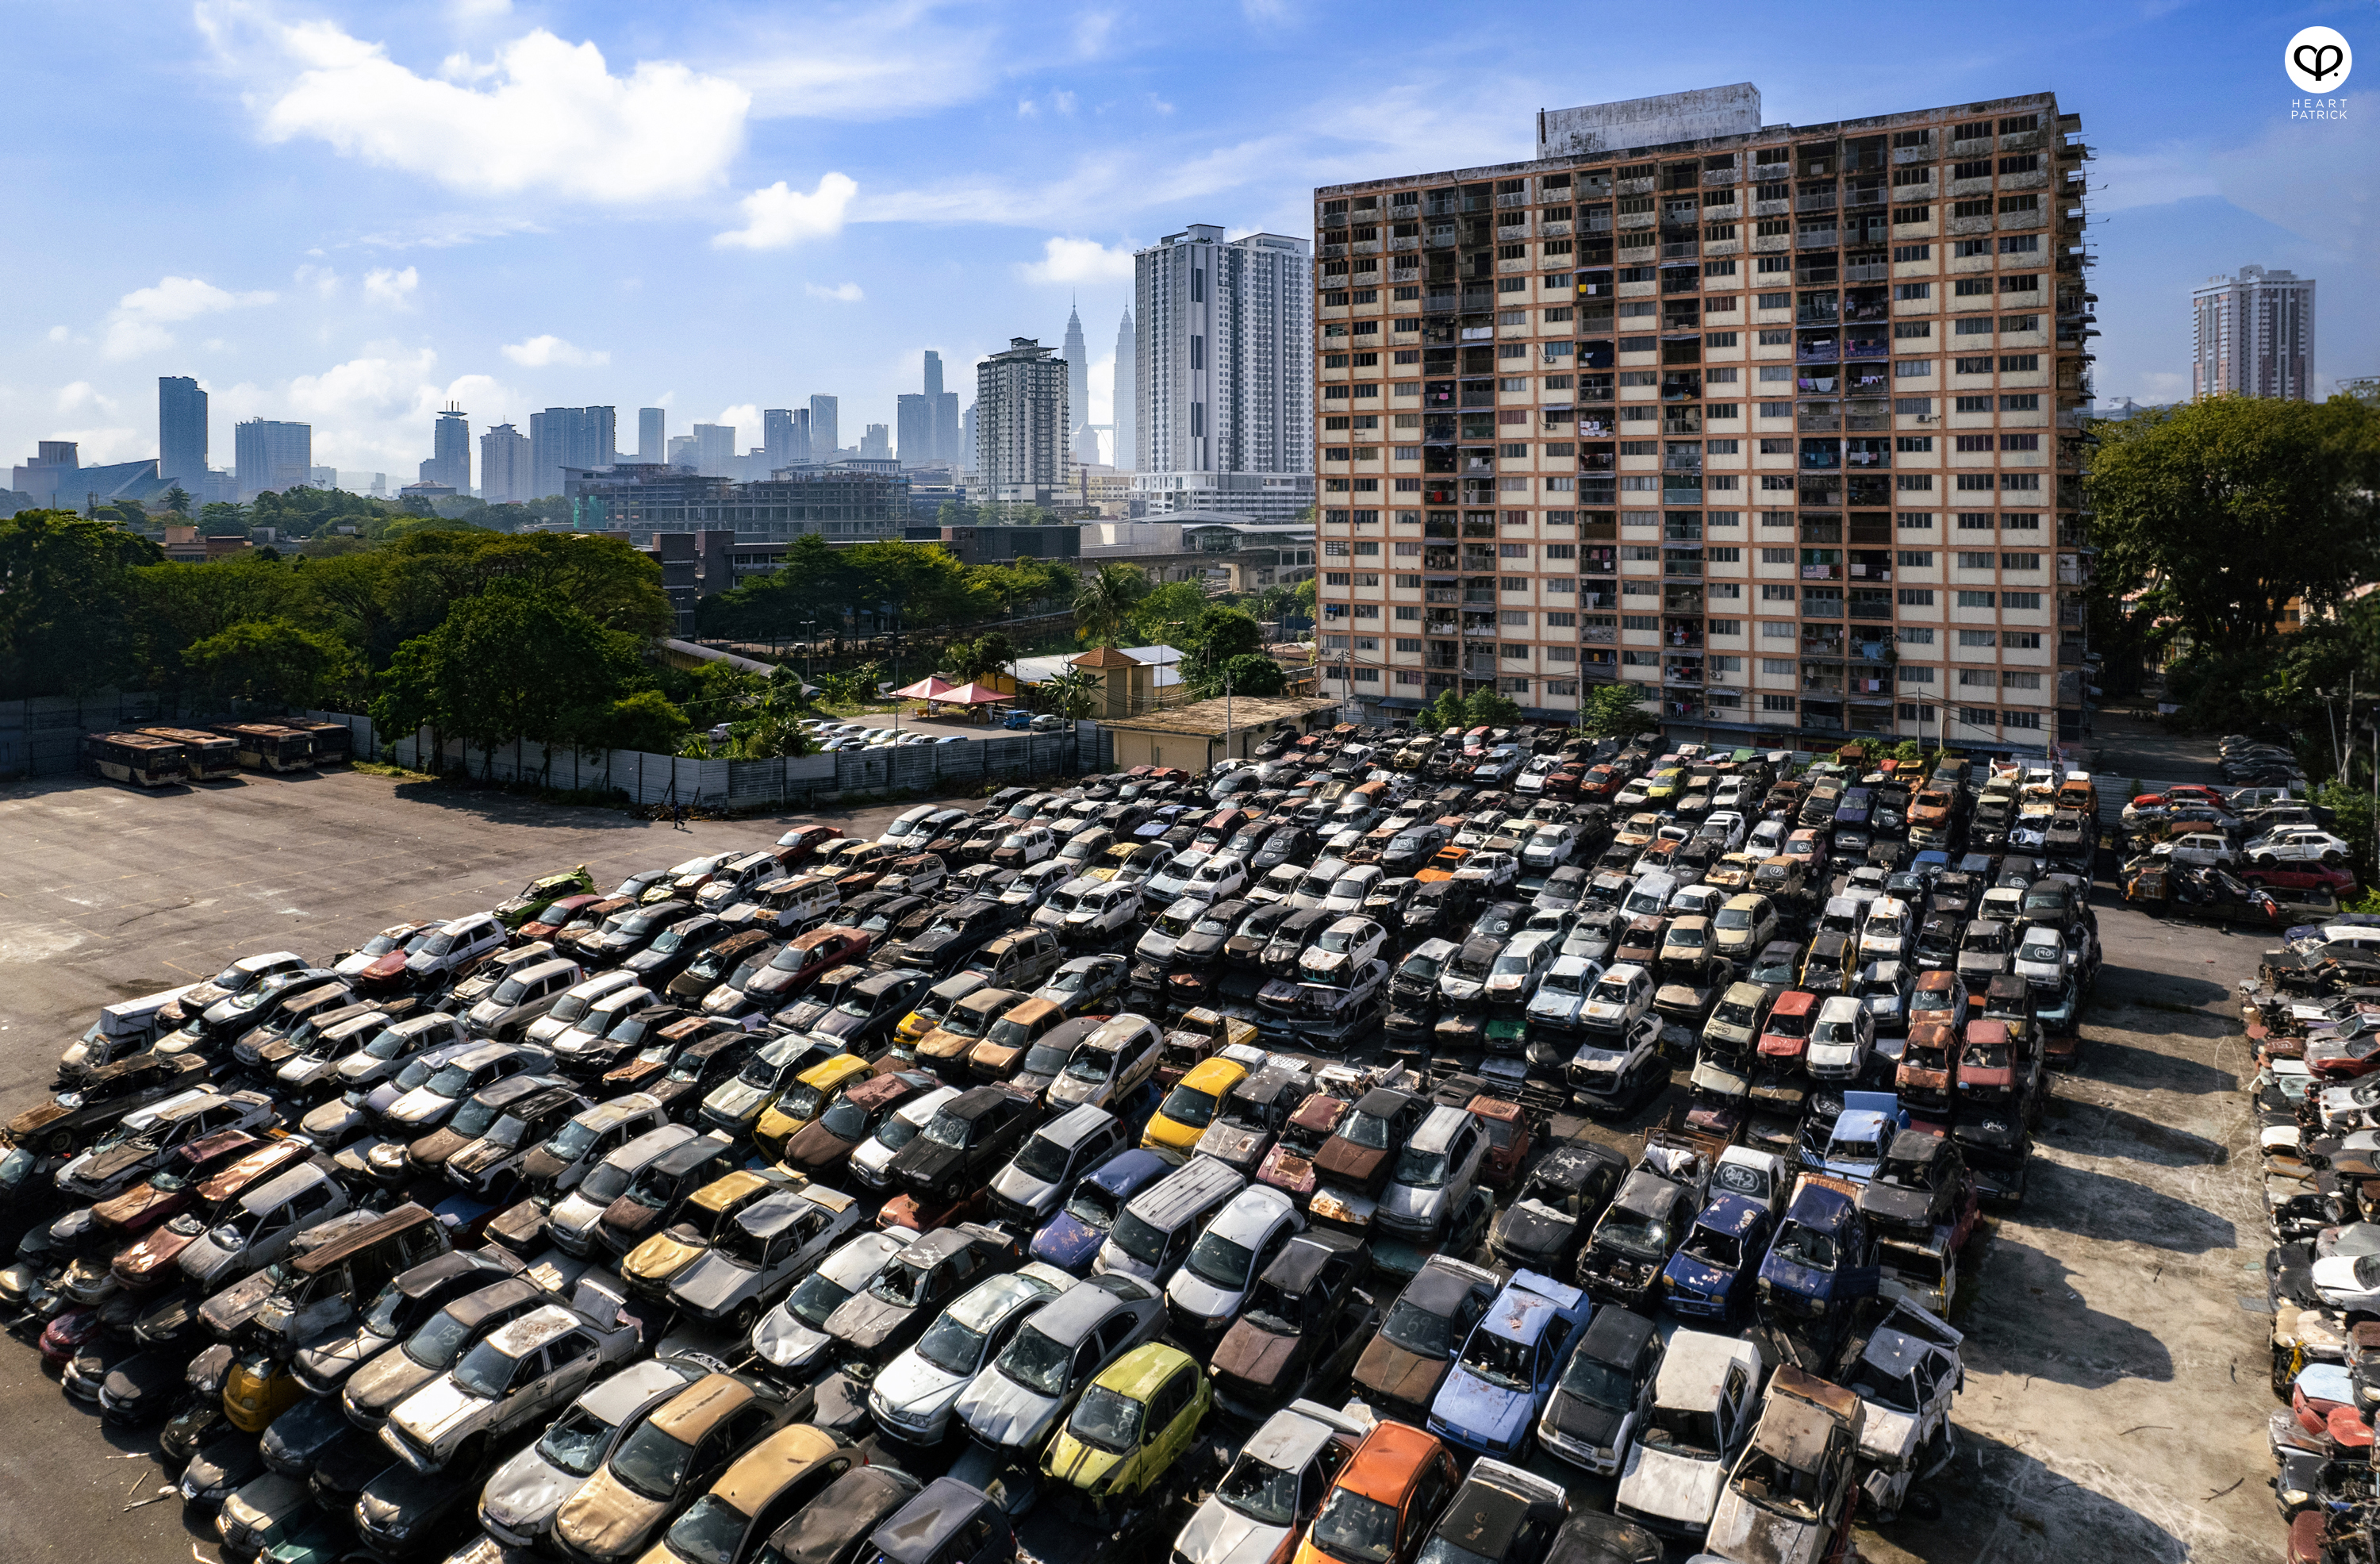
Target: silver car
[1013, 1404]
[518, 1505]
[793, 1334]
[912, 1397]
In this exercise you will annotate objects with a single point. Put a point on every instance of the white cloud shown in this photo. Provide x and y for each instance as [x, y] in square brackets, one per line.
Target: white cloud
[98, 447]
[1093, 32]
[83, 394]
[844, 293]
[779, 215]
[321, 279]
[1027, 109]
[138, 322]
[539, 352]
[390, 288]
[59, 334]
[1078, 261]
[744, 419]
[553, 118]
[884, 59]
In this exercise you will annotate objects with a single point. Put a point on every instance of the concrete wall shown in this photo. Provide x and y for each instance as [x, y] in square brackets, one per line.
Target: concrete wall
[1649, 122]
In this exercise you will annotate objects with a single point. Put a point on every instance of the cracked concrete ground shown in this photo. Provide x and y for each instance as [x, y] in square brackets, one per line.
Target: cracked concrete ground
[2116, 1387]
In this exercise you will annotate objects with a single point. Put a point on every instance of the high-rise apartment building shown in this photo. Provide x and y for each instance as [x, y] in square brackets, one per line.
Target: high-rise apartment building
[569, 438]
[1778, 424]
[826, 434]
[272, 455]
[913, 422]
[2252, 336]
[714, 450]
[181, 430]
[1123, 395]
[1222, 377]
[1021, 422]
[652, 434]
[450, 462]
[784, 436]
[504, 476]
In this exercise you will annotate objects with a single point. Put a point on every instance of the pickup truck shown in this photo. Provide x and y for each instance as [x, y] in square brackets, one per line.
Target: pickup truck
[1198, 1035]
[1789, 1497]
[1823, 1255]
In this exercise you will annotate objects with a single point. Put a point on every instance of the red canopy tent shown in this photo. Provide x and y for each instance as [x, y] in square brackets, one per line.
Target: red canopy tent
[971, 694]
[930, 688]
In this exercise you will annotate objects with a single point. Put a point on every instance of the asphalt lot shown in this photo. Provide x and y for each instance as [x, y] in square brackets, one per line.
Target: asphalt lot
[2115, 1398]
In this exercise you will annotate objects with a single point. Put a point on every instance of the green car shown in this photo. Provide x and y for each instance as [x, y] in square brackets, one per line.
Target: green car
[321, 1538]
[539, 895]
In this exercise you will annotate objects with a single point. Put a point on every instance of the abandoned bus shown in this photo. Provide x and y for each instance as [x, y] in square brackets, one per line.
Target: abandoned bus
[212, 756]
[265, 746]
[135, 757]
[333, 744]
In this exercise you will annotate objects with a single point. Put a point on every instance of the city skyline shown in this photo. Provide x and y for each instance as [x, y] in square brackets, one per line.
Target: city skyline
[809, 185]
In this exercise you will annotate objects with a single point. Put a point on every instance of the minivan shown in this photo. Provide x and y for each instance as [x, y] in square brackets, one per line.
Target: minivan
[572, 1008]
[1650, 897]
[521, 999]
[1153, 1236]
[325, 1289]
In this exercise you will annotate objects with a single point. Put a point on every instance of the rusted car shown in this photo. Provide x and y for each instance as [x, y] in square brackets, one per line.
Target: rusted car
[1197, 1036]
[1289, 1166]
[1304, 1324]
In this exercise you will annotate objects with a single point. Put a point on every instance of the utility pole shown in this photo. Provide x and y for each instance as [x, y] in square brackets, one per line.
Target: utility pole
[809, 640]
[1227, 711]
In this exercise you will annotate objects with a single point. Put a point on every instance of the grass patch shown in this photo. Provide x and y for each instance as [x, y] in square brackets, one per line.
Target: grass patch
[383, 768]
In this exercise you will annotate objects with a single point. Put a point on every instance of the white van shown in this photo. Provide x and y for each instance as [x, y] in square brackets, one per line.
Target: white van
[1650, 897]
[123, 1029]
[456, 946]
[572, 1008]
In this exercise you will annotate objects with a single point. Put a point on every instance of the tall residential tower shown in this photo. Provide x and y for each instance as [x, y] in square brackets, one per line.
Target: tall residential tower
[1020, 421]
[2252, 336]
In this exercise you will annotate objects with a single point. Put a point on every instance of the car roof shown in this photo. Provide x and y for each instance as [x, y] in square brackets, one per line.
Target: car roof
[930, 1519]
[1388, 1463]
[1071, 1128]
[764, 1470]
[534, 1329]
[697, 1410]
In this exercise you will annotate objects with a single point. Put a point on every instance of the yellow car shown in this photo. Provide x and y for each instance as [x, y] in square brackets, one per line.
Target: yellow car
[649, 1266]
[1668, 783]
[259, 1388]
[1134, 1423]
[765, 1486]
[805, 1100]
[1190, 1107]
[934, 1005]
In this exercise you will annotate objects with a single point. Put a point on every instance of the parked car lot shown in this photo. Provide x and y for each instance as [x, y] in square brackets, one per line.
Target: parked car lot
[2150, 1344]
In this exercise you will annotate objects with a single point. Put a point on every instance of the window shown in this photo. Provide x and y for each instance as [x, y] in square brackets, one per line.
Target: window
[1915, 443]
[1978, 716]
[2020, 323]
[1913, 214]
[2019, 363]
[1778, 556]
[1918, 635]
[1979, 638]
[1777, 702]
[1967, 288]
[1909, 290]
[1972, 441]
[1971, 520]
[1720, 339]
[1774, 338]
[1916, 597]
[2021, 480]
[1975, 326]
[1974, 561]
[1724, 555]
[1977, 677]
[2020, 282]
[1773, 301]
[2020, 680]
[1970, 404]
[1902, 253]
[1913, 406]
[1909, 673]
[1910, 330]
[1333, 548]
[1974, 366]
[1726, 626]
[2020, 441]
[1914, 369]
[1917, 558]
[2021, 522]
[1336, 578]
[2023, 401]
[1975, 600]
[2023, 641]
[2020, 600]
[1777, 629]
[2021, 244]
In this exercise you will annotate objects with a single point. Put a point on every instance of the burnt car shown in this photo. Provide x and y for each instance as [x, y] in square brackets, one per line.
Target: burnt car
[1289, 1166]
[1401, 1368]
[870, 1327]
[960, 1147]
[1302, 1326]
[1557, 1205]
[825, 1145]
[1359, 1154]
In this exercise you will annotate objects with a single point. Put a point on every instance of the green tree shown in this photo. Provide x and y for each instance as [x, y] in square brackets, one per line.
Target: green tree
[1492, 708]
[272, 661]
[644, 721]
[2225, 509]
[1218, 635]
[1611, 712]
[988, 654]
[1251, 673]
[177, 500]
[1165, 615]
[65, 603]
[515, 662]
[219, 519]
[1104, 602]
[1075, 693]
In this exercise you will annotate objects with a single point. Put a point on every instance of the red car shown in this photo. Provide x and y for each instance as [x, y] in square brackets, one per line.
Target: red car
[2337, 1059]
[2338, 880]
[557, 917]
[801, 962]
[1508, 1138]
[1289, 1166]
[150, 1263]
[806, 842]
[174, 1187]
[1786, 1038]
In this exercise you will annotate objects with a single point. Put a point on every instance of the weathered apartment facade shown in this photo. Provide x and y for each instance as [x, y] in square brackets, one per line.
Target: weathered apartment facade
[1780, 424]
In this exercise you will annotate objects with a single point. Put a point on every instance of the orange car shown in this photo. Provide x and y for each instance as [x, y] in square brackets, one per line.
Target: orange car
[1444, 867]
[1380, 1508]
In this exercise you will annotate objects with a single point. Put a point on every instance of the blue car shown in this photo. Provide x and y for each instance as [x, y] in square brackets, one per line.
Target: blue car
[1069, 1239]
[1856, 1146]
[1726, 1239]
[1489, 1400]
[1822, 1257]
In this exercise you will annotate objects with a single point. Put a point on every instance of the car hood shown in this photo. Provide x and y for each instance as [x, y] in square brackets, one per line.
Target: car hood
[1003, 1413]
[329, 1361]
[385, 1381]
[923, 1162]
[1017, 1186]
[713, 1282]
[235, 1306]
[1487, 1413]
[1532, 1229]
[435, 1411]
[1345, 1161]
[1838, 1055]
[737, 1100]
[1576, 1418]
[2334, 1275]
[1679, 1488]
[866, 1322]
[1698, 1277]
[417, 1105]
[786, 1341]
[160, 1248]
[524, 1492]
[1399, 1376]
[915, 1389]
[1067, 1241]
[1402, 1204]
[1886, 1437]
[1551, 1006]
[1194, 1296]
[1255, 1356]
[472, 1158]
[663, 1255]
[1740, 1530]
[604, 1519]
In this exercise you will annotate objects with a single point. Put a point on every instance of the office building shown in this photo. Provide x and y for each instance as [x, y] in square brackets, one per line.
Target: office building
[945, 408]
[564, 437]
[1222, 381]
[2252, 336]
[271, 456]
[323, 478]
[1021, 426]
[451, 443]
[876, 444]
[1084, 441]
[652, 434]
[925, 425]
[505, 469]
[714, 449]
[842, 504]
[1778, 424]
[680, 451]
[966, 438]
[181, 429]
[1123, 394]
[825, 436]
[913, 420]
[785, 437]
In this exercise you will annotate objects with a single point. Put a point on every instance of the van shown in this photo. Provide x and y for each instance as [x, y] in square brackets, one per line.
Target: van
[125, 1028]
[1650, 897]
[575, 1218]
[1021, 959]
[521, 999]
[582, 1144]
[260, 1229]
[1154, 1234]
[326, 1287]
[456, 946]
[787, 905]
[572, 1006]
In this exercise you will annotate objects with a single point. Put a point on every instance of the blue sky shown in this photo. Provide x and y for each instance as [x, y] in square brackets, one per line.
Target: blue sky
[348, 213]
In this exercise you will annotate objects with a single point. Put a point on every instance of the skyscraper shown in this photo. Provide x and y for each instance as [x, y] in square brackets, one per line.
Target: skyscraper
[2252, 336]
[967, 456]
[1224, 385]
[1122, 396]
[181, 430]
[785, 437]
[504, 466]
[826, 439]
[912, 421]
[559, 437]
[652, 434]
[450, 462]
[680, 451]
[875, 444]
[1021, 423]
[272, 455]
[945, 408]
[1775, 425]
[714, 450]
[1085, 443]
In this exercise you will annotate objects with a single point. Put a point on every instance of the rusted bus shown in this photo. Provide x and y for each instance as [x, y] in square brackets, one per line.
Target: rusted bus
[265, 746]
[137, 758]
[211, 756]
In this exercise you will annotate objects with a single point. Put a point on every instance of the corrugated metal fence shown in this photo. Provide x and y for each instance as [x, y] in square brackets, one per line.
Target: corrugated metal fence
[41, 737]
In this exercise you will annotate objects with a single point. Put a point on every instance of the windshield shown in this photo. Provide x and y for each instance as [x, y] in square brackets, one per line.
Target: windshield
[1092, 1207]
[1688, 936]
[1639, 1237]
[1591, 1380]
[1137, 1239]
[651, 1462]
[486, 1371]
[1419, 1331]
[1732, 917]
[435, 1344]
[1222, 1261]
[388, 1045]
[1837, 1032]
[1425, 967]
[846, 1121]
[472, 1121]
[570, 1143]
[1353, 1528]
[1611, 991]
[1042, 1158]
[946, 1128]
[606, 1184]
[414, 1074]
[1108, 1420]
[437, 944]
[1421, 1170]
[1189, 1107]
[1037, 1362]
[1786, 1023]
[1805, 1246]
[1683, 1431]
[816, 1298]
[1499, 1359]
[569, 1007]
[2039, 950]
[1722, 1252]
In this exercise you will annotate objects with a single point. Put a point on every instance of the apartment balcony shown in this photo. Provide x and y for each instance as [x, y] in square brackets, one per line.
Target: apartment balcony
[1682, 632]
[1598, 635]
[1682, 565]
[1815, 239]
[1813, 349]
[1439, 625]
[1814, 201]
[1821, 458]
[1820, 312]
[1818, 382]
[1821, 602]
[1871, 604]
[1864, 193]
[1681, 673]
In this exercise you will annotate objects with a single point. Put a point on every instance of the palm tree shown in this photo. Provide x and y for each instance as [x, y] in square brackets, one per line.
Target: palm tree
[1105, 600]
[1076, 693]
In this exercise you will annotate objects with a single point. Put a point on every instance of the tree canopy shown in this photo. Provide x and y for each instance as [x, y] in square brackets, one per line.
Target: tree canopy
[65, 582]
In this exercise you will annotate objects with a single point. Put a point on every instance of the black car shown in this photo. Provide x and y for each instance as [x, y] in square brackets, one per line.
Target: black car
[1607, 1379]
[959, 1148]
[872, 1325]
[1439, 909]
[1557, 1207]
[1284, 844]
[871, 1007]
[1246, 948]
[1290, 938]
[1209, 933]
[1387, 903]
[675, 949]
[702, 1065]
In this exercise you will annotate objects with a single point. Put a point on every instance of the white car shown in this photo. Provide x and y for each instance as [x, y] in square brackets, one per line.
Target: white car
[1550, 846]
[912, 1396]
[1725, 826]
[1518, 968]
[1314, 885]
[1347, 892]
[1768, 839]
[2203, 848]
[1173, 882]
[793, 1334]
[2348, 1282]
[1620, 996]
[1842, 1039]
[2296, 844]
[1101, 914]
[1706, 1383]
[1884, 937]
[1060, 904]
[1013, 1405]
[511, 1380]
[2042, 957]
[1032, 886]
[1253, 1514]
[1342, 948]
[1492, 871]
[1220, 878]
[1533, 775]
[1164, 931]
[1204, 1295]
